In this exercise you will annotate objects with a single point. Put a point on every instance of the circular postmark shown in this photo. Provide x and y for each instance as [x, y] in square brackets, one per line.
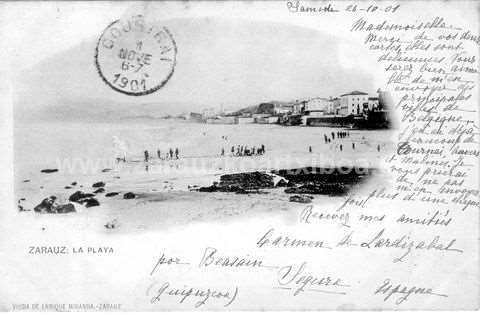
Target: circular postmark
[135, 58]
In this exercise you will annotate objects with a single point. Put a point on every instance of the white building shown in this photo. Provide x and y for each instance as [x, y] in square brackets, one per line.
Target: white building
[352, 103]
[245, 120]
[317, 104]
[209, 113]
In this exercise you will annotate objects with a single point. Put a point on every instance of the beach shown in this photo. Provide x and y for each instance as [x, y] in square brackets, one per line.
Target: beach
[85, 154]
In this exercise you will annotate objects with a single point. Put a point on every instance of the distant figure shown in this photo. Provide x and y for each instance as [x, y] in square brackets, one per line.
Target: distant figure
[233, 150]
[310, 149]
[341, 147]
[171, 153]
[325, 137]
[333, 135]
[176, 153]
[263, 148]
[223, 152]
[378, 148]
[353, 145]
[158, 154]
[146, 155]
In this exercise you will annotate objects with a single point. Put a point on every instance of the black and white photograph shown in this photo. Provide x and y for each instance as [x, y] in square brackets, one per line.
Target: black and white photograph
[239, 156]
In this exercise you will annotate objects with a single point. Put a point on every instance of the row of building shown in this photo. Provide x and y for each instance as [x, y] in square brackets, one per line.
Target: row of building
[354, 104]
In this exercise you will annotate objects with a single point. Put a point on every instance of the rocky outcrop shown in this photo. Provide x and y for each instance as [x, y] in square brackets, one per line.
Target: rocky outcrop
[322, 181]
[325, 175]
[319, 189]
[49, 170]
[308, 180]
[66, 208]
[90, 202]
[98, 184]
[111, 225]
[50, 205]
[99, 191]
[282, 183]
[47, 205]
[254, 180]
[301, 199]
[241, 183]
[111, 194]
[84, 199]
[78, 195]
[129, 195]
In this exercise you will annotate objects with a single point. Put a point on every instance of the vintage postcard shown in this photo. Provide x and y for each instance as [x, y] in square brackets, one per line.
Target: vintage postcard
[239, 156]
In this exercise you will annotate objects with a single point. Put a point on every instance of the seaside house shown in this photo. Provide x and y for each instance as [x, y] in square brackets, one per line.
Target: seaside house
[316, 107]
[209, 113]
[352, 103]
[245, 119]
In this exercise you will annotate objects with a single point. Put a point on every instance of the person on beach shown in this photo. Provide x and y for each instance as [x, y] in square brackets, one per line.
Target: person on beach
[341, 147]
[171, 153]
[158, 154]
[353, 145]
[223, 152]
[176, 153]
[333, 135]
[263, 149]
[310, 149]
[233, 150]
[145, 153]
[378, 148]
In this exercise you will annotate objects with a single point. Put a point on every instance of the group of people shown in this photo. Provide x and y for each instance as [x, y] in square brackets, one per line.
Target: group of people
[170, 155]
[245, 150]
[339, 134]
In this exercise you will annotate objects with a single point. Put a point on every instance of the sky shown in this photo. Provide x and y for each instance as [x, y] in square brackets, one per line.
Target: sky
[229, 62]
